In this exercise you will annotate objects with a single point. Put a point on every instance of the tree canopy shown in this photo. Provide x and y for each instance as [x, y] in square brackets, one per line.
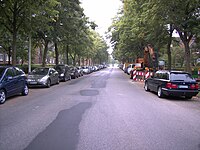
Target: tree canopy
[59, 24]
[152, 22]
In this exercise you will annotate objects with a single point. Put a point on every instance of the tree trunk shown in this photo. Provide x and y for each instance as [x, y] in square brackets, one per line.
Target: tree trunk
[74, 61]
[40, 55]
[169, 47]
[67, 54]
[187, 58]
[186, 37]
[79, 60]
[56, 52]
[45, 53]
[9, 55]
[14, 33]
[14, 56]
[174, 61]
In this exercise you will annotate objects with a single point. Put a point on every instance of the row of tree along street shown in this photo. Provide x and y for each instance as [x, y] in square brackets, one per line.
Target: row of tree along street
[144, 22]
[29, 25]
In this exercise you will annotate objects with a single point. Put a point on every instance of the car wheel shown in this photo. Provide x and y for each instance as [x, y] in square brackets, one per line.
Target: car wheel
[25, 90]
[160, 92]
[2, 96]
[58, 81]
[65, 79]
[146, 86]
[48, 83]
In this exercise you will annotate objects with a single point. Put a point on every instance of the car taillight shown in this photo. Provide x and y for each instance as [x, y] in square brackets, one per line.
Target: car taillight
[194, 86]
[171, 86]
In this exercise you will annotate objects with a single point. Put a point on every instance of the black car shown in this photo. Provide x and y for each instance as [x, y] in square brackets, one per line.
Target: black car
[172, 83]
[64, 72]
[74, 72]
[12, 82]
[43, 77]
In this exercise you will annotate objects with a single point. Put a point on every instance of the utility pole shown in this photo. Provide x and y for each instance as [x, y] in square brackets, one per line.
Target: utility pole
[29, 53]
[29, 43]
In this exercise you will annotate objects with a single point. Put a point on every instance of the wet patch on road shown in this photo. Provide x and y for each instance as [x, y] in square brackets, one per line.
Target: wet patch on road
[63, 132]
[89, 92]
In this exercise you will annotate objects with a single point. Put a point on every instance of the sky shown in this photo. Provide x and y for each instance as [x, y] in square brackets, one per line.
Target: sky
[101, 12]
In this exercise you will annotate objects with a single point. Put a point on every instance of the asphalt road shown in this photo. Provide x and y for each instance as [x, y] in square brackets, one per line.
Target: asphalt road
[104, 110]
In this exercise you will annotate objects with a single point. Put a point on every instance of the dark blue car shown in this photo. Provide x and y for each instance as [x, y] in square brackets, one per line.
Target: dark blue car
[12, 82]
[172, 83]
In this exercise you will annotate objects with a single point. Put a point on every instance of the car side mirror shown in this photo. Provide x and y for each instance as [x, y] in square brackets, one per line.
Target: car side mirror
[51, 72]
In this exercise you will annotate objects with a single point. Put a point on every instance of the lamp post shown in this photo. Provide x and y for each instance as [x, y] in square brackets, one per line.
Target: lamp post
[29, 53]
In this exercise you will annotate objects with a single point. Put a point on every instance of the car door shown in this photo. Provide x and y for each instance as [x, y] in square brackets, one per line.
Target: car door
[67, 72]
[53, 76]
[10, 82]
[153, 82]
[19, 75]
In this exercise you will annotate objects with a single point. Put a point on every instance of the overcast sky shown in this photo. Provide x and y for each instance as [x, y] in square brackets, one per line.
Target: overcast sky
[101, 11]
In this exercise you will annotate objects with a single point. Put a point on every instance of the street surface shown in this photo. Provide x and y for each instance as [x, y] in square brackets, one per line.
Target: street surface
[104, 110]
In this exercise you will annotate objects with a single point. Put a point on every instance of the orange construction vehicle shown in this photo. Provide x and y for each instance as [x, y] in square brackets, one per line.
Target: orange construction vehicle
[148, 62]
[148, 50]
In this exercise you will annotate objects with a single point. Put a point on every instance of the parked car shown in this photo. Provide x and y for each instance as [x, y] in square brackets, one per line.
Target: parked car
[130, 68]
[63, 71]
[95, 68]
[44, 76]
[86, 69]
[80, 71]
[172, 83]
[74, 72]
[12, 82]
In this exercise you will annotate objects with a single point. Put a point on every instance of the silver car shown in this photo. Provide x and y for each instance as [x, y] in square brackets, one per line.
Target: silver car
[44, 77]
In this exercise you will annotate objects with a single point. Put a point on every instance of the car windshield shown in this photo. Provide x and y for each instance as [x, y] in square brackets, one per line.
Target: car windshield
[1, 71]
[181, 77]
[40, 71]
[84, 67]
[72, 69]
[60, 67]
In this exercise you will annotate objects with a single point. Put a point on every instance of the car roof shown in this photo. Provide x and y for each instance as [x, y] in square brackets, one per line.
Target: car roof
[44, 68]
[172, 71]
[5, 66]
[60, 65]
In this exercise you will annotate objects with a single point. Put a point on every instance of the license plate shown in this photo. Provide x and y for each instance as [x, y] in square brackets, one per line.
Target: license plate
[33, 82]
[183, 86]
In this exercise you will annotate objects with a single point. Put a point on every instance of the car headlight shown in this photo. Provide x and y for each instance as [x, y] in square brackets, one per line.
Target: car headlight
[62, 75]
[44, 79]
[29, 80]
